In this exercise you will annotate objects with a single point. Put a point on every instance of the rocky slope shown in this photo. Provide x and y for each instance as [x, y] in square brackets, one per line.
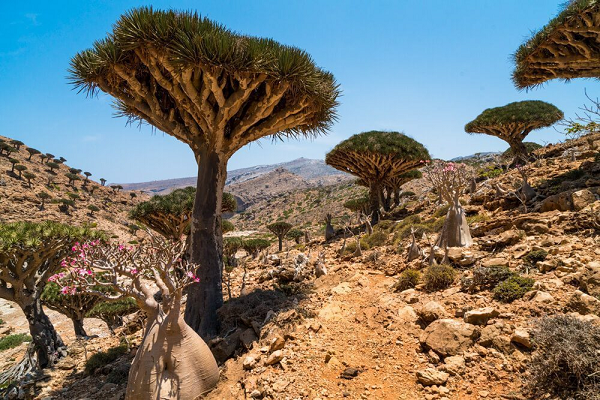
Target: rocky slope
[289, 332]
[20, 201]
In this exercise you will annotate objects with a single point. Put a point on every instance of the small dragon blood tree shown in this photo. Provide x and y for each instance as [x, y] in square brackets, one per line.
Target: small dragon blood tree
[393, 185]
[170, 215]
[280, 229]
[29, 254]
[513, 122]
[172, 362]
[450, 180]
[375, 156]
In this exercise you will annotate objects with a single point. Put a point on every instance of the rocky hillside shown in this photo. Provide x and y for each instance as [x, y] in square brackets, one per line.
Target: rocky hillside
[65, 201]
[314, 172]
[377, 326]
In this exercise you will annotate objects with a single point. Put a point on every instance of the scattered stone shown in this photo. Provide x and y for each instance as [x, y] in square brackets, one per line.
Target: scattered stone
[274, 357]
[276, 343]
[407, 314]
[543, 297]
[448, 337]
[521, 336]
[582, 198]
[590, 278]
[454, 365]
[248, 338]
[432, 376]
[431, 311]
[583, 303]
[349, 373]
[249, 363]
[490, 262]
[481, 316]
[409, 296]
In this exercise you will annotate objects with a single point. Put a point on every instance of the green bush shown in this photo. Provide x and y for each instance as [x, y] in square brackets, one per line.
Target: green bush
[119, 374]
[513, 288]
[408, 279]
[534, 256]
[565, 365]
[12, 341]
[437, 277]
[487, 278]
[377, 238]
[103, 358]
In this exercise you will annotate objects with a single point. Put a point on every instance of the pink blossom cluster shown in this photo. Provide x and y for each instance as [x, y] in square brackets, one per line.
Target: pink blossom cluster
[190, 274]
[68, 290]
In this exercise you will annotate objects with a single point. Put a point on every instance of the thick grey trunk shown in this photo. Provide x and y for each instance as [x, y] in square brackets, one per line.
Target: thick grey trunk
[374, 202]
[206, 245]
[49, 347]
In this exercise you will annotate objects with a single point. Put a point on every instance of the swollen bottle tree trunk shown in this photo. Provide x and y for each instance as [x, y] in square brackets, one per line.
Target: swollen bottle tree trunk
[172, 362]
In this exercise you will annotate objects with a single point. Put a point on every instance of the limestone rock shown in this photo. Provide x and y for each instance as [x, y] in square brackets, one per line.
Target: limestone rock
[481, 316]
[408, 314]
[543, 297]
[590, 278]
[448, 337]
[276, 343]
[249, 363]
[431, 311]
[521, 336]
[432, 376]
[582, 198]
[274, 357]
[583, 303]
[454, 365]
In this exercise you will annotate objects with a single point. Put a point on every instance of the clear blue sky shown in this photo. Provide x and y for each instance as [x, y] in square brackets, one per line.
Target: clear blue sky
[422, 67]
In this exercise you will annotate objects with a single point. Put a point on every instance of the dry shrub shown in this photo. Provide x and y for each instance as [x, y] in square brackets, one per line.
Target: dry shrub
[567, 361]
[438, 277]
[408, 279]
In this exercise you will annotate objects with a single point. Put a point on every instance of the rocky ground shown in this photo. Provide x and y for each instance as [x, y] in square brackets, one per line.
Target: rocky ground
[291, 331]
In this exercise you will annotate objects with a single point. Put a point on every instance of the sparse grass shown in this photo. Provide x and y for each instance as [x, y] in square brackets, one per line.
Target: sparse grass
[438, 277]
[513, 288]
[102, 358]
[12, 341]
[377, 238]
[408, 279]
[473, 219]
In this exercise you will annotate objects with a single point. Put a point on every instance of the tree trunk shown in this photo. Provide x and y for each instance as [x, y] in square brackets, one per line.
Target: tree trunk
[396, 197]
[387, 200]
[172, 362]
[280, 243]
[520, 152]
[206, 245]
[49, 347]
[374, 203]
[455, 232]
[78, 326]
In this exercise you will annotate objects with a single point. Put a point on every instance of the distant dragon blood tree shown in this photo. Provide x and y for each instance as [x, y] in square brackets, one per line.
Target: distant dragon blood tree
[172, 362]
[29, 254]
[567, 47]
[170, 215]
[450, 180]
[280, 229]
[216, 91]
[393, 186]
[376, 156]
[513, 122]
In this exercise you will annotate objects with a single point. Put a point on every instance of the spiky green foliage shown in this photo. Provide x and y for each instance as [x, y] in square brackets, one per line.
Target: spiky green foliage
[231, 245]
[254, 246]
[229, 204]
[376, 156]
[280, 229]
[20, 168]
[295, 235]
[184, 41]
[170, 214]
[93, 209]
[72, 178]
[17, 144]
[514, 121]
[565, 48]
[28, 177]
[29, 237]
[14, 162]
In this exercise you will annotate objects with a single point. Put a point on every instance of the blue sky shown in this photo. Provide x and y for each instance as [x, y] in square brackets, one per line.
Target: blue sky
[422, 67]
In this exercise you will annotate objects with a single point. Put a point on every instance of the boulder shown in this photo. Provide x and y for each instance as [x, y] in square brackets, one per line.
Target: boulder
[409, 296]
[480, 316]
[543, 297]
[448, 337]
[582, 198]
[583, 303]
[431, 311]
[408, 314]
[276, 343]
[432, 376]
[274, 357]
[560, 202]
[249, 363]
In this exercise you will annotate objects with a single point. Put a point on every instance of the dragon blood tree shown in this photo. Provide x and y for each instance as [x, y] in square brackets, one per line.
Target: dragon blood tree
[172, 362]
[451, 180]
[566, 48]
[393, 186]
[513, 122]
[374, 157]
[280, 229]
[29, 254]
[171, 214]
[215, 90]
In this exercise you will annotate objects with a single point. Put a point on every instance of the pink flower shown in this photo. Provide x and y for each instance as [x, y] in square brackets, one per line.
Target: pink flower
[134, 271]
[121, 247]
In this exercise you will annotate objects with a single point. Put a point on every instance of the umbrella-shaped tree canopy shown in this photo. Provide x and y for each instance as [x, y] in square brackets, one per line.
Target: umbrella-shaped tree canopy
[375, 156]
[567, 47]
[514, 121]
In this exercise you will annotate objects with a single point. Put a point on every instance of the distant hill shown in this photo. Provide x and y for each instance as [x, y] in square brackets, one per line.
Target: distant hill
[314, 172]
